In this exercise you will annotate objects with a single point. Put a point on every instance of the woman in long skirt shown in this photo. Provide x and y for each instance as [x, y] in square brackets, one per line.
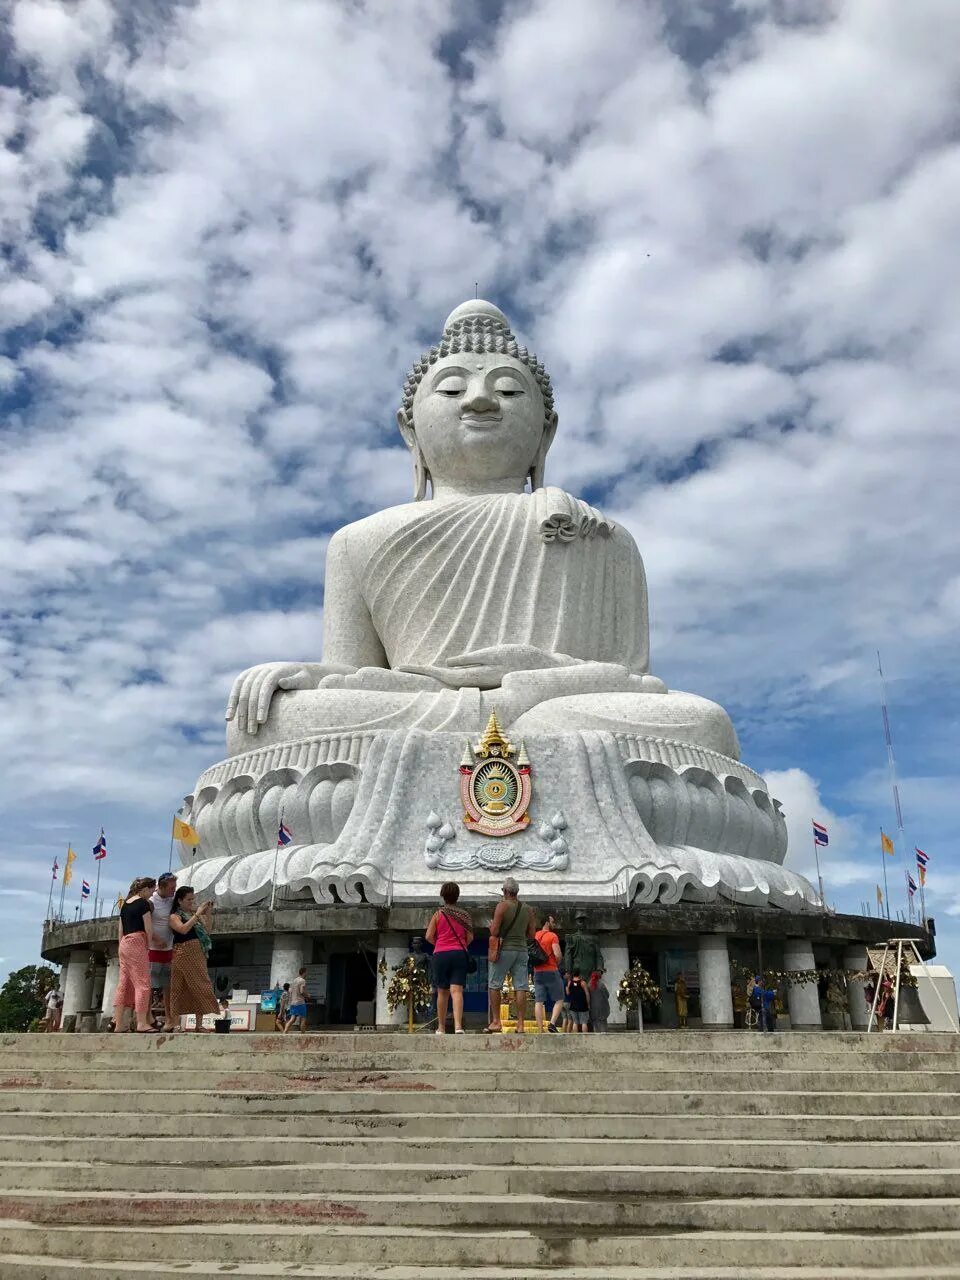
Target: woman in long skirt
[190, 987]
[136, 938]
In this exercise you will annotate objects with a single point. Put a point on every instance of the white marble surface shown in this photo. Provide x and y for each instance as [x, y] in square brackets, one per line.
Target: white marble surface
[803, 1000]
[288, 957]
[491, 591]
[716, 996]
[637, 829]
[77, 982]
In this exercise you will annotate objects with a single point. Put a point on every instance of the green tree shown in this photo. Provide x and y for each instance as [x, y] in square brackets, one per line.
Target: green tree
[23, 994]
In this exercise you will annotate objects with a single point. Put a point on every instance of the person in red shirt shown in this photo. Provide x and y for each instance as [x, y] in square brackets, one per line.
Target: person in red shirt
[547, 983]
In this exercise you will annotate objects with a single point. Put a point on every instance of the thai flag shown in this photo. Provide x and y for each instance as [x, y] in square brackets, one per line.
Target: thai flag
[100, 848]
[85, 890]
[820, 834]
[922, 858]
[284, 835]
[911, 885]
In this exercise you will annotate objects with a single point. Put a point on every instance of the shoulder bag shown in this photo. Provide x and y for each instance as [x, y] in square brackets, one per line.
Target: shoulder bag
[471, 960]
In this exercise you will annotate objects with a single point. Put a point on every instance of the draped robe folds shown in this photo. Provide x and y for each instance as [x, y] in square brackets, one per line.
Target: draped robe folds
[541, 569]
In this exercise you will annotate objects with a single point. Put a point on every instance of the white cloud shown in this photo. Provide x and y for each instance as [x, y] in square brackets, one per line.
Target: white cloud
[233, 228]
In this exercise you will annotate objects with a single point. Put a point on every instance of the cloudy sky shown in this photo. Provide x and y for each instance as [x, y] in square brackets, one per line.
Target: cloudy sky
[729, 228]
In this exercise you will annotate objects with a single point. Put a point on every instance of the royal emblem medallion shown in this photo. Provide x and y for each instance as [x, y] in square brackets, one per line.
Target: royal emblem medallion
[495, 791]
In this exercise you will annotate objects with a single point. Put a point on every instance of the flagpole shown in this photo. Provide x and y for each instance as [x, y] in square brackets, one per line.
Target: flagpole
[63, 882]
[891, 764]
[886, 891]
[50, 897]
[170, 858]
[816, 854]
[276, 859]
[96, 892]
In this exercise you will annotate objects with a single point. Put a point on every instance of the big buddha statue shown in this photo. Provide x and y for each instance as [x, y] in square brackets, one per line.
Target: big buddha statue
[491, 594]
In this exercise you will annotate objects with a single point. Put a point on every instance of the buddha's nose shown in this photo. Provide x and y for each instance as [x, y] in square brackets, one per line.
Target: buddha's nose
[479, 400]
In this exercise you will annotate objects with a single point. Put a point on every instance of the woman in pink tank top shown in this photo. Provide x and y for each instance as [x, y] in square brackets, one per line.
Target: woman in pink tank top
[451, 932]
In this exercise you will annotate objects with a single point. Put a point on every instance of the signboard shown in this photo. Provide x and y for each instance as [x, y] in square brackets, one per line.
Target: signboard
[241, 1019]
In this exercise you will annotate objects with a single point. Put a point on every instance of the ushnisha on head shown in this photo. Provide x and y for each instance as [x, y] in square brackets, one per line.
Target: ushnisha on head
[477, 406]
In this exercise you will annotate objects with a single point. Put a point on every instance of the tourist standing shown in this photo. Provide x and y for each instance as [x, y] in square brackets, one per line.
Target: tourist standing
[161, 949]
[768, 998]
[681, 999]
[510, 928]
[190, 987]
[135, 938]
[283, 1008]
[298, 1002]
[579, 999]
[547, 983]
[599, 1002]
[450, 931]
[52, 1005]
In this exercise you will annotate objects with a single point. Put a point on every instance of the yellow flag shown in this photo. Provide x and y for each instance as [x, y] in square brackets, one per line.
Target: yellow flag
[886, 844]
[879, 896]
[119, 901]
[183, 831]
[68, 868]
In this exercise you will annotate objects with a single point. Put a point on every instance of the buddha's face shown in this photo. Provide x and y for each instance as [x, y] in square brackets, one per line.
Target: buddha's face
[478, 417]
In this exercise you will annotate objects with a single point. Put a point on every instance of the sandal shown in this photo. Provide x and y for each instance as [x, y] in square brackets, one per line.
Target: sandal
[147, 1031]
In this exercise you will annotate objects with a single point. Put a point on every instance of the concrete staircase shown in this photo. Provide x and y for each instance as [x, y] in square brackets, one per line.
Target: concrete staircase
[662, 1155]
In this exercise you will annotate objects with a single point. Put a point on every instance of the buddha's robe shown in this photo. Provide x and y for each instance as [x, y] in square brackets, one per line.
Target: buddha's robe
[551, 593]
[539, 569]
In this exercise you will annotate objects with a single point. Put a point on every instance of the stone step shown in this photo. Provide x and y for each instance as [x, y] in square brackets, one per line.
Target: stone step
[332, 1244]
[388, 1100]
[463, 1179]
[561, 1054]
[425, 1124]
[504, 1150]
[24, 1267]
[651, 1040]
[519, 1078]
[514, 1211]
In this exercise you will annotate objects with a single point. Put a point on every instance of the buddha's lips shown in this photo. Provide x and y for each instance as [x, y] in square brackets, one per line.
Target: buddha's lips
[480, 419]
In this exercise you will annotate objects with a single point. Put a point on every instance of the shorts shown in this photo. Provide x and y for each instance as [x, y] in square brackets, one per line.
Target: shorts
[581, 1017]
[160, 968]
[297, 1011]
[547, 986]
[449, 969]
[515, 963]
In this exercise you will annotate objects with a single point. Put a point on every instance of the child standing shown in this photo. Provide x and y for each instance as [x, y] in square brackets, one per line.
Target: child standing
[579, 999]
[599, 1002]
[283, 1008]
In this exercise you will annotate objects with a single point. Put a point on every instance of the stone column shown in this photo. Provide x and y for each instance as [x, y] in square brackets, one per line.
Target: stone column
[855, 957]
[616, 961]
[288, 957]
[110, 984]
[77, 985]
[716, 999]
[803, 1000]
[393, 948]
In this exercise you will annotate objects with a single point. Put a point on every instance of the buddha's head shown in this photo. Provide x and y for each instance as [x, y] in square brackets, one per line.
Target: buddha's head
[477, 406]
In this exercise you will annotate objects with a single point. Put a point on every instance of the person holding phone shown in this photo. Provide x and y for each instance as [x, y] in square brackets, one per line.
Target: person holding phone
[190, 988]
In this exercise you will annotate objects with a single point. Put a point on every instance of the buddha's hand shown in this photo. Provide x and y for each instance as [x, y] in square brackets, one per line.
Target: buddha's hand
[253, 689]
[486, 668]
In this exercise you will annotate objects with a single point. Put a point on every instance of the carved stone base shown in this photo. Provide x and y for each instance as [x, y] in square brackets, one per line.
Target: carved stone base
[378, 818]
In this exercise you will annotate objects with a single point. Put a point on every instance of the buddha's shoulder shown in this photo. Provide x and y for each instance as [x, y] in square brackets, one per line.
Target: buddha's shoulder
[379, 524]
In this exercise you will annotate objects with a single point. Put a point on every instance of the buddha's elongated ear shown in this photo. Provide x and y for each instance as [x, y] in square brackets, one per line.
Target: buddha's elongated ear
[538, 469]
[421, 476]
